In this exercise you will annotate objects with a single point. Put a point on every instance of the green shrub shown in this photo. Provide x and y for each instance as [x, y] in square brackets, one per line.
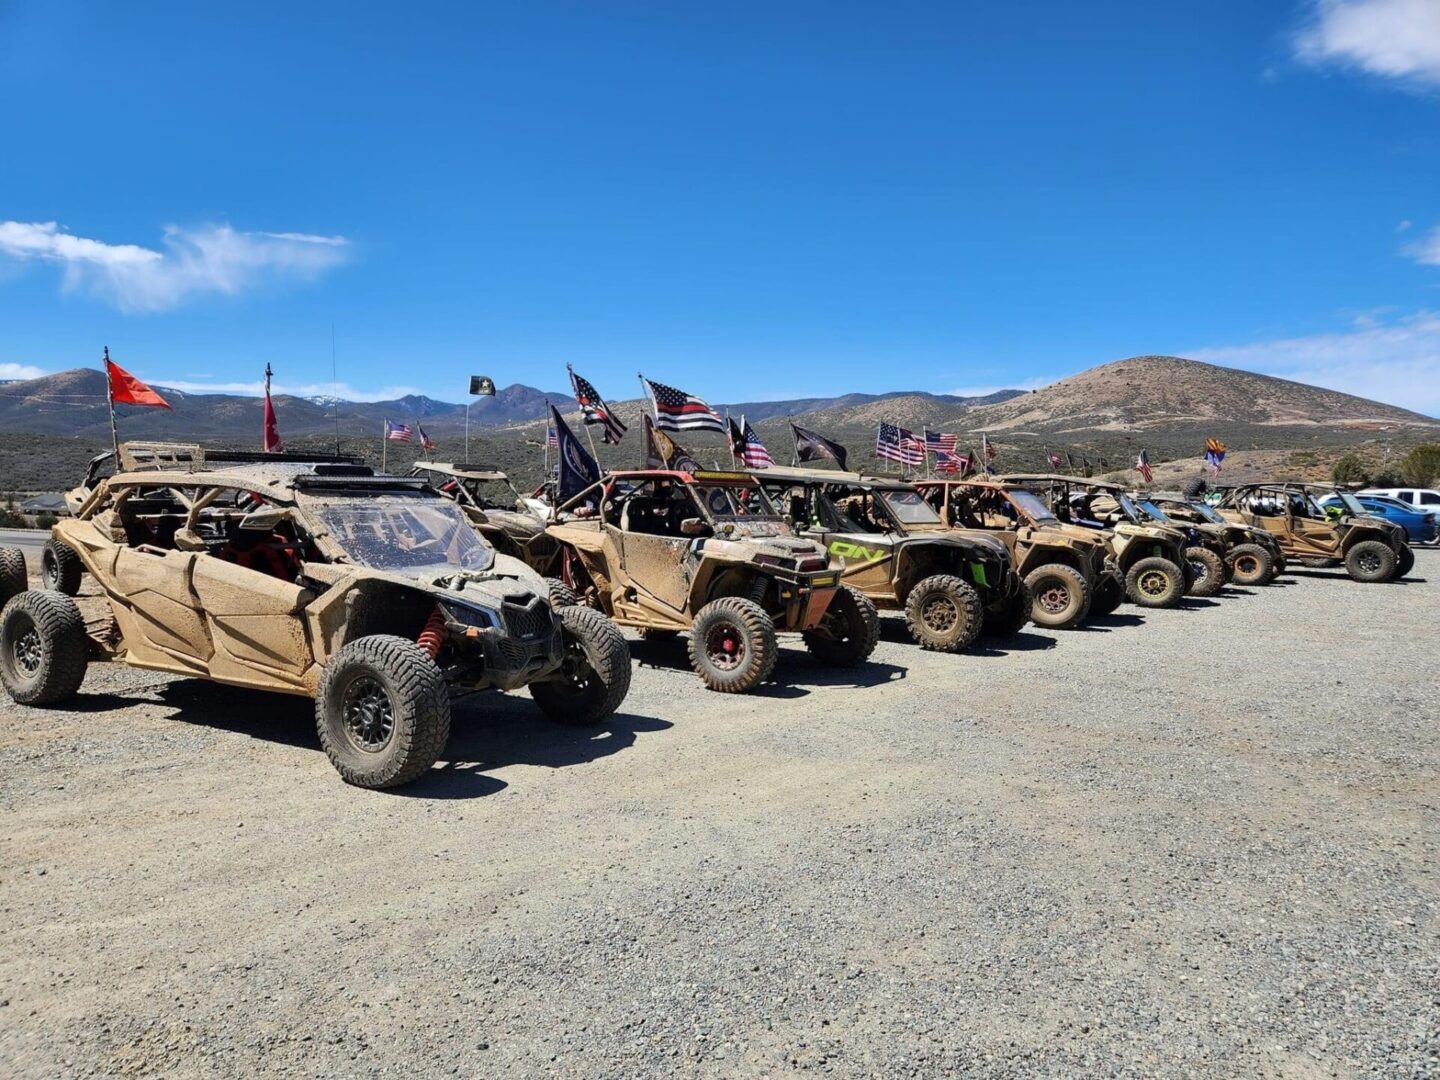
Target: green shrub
[1350, 470]
[1421, 466]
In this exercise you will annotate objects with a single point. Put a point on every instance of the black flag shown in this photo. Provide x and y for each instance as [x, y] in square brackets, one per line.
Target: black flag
[663, 452]
[577, 469]
[812, 447]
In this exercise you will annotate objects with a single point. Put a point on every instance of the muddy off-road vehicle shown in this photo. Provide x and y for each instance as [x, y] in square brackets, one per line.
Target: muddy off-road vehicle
[371, 594]
[1205, 546]
[706, 554]
[889, 543]
[1065, 570]
[513, 523]
[1370, 549]
[1252, 555]
[1149, 557]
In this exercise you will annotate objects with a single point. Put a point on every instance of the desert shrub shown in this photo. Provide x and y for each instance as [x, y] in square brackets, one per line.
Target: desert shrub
[1421, 466]
[1350, 470]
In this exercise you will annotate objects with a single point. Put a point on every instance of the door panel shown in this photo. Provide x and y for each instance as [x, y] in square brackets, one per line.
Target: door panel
[656, 565]
[158, 612]
[255, 624]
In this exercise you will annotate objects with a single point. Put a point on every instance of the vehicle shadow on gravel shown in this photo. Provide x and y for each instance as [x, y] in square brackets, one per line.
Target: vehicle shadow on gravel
[1103, 624]
[487, 731]
[796, 671]
[1338, 574]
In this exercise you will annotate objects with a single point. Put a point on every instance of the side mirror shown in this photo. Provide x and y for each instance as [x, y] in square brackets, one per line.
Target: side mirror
[264, 520]
[692, 527]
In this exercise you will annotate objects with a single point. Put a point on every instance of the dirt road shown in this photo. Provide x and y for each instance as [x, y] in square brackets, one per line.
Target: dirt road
[1193, 842]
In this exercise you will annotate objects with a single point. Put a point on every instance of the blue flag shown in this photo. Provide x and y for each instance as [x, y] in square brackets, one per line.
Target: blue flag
[578, 470]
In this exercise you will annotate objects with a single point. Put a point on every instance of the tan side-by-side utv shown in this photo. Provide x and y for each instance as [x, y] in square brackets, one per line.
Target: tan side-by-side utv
[891, 545]
[370, 594]
[1370, 548]
[706, 554]
[1252, 555]
[1066, 570]
[1150, 557]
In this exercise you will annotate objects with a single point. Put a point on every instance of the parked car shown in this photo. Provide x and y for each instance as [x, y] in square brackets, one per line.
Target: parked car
[1421, 526]
[1425, 498]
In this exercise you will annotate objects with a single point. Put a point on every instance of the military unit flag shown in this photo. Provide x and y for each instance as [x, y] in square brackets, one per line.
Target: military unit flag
[676, 410]
[594, 409]
[663, 452]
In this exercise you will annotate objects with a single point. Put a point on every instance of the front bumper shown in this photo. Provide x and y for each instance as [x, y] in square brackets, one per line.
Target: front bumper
[528, 646]
[800, 597]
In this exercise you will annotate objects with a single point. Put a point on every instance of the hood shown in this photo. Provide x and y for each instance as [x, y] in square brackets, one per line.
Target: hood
[508, 579]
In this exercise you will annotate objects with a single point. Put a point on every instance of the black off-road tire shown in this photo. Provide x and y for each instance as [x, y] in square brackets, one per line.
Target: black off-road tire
[1370, 561]
[1250, 564]
[596, 674]
[42, 648]
[1278, 564]
[752, 652]
[14, 578]
[848, 633]
[944, 614]
[1195, 488]
[372, 680]
[1208, 572]
[60, 568]
[561, 595]
[1320, 564]
[1060, 596]
[1013, 617]
[1155, 582]
[1404, 562]
[1108, 595]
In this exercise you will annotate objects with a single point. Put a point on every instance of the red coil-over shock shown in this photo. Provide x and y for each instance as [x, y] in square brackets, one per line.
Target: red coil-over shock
[433, 636]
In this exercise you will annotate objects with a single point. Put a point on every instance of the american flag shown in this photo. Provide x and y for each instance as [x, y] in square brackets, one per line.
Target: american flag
[552, 440]
[594, 409]
[946, 462]
[937, 442]
[987, 447]
[1055, 459]
[426, 442]
[899, 444]
[398, 432]
[1142, 466]
[752, 450]
[676, 410]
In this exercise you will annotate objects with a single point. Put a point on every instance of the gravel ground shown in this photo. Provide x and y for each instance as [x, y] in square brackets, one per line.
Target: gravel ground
[1192, 842]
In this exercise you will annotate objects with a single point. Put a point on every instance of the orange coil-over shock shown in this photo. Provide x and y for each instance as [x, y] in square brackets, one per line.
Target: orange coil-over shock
[433, 636]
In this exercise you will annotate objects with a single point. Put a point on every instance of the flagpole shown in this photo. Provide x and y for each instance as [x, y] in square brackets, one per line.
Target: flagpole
[384, 443]
[110, 400]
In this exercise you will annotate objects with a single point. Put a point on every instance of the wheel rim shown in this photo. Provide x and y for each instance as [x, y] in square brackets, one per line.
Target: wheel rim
[1247, 565]
[1154, 583]
[1054, 599]
[1369, 562]
[49, 572]
[576, 674]
[1199, 569]
[939, 614]
[725, 647]
[28, 651]
[368, 714]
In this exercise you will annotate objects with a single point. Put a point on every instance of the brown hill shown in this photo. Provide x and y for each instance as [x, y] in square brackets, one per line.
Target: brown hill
[1166, 392]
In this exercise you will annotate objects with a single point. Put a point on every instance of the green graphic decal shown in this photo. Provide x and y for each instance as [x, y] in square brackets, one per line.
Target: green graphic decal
[847, 550]
[977, 571]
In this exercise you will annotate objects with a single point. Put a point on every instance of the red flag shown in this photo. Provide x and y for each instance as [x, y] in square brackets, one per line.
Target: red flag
[273, 442]
[126, 389]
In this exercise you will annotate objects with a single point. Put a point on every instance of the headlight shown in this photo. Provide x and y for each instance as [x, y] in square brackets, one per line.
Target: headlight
[473, 615]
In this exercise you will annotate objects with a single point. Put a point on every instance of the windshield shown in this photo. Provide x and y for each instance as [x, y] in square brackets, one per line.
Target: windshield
[909, 508]
[1030, 505]
[1352, 504]
[734, 501]
[405, 532]
[1208, 512]
[1153, 510]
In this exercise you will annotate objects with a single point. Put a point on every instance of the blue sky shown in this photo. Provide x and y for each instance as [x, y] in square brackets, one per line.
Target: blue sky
[749, 200]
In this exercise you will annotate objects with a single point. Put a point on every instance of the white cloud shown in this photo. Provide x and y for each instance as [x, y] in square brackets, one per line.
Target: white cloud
[1396, 361]
[208, 259]
[1397, 39]
[307, 390]
[19, 371]
[1018, 384]
[1426, 251]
